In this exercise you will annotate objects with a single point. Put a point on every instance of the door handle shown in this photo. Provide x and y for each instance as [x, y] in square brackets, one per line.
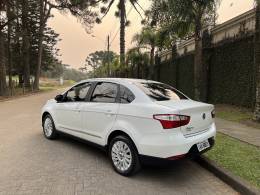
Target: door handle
[77, 110]
[109, 113]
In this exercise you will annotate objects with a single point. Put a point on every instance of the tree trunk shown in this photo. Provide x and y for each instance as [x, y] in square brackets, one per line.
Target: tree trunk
[3, 87]
[25, 44]
[39, 62]
[10, 67]
[257, 63]
[198, 64]
[44, 15]
[122, 32]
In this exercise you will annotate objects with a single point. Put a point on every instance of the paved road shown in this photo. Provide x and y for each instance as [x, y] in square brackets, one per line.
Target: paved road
[30, 164]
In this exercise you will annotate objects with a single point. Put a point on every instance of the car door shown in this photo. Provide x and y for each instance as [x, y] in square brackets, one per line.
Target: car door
[99, 113]
[68, 116]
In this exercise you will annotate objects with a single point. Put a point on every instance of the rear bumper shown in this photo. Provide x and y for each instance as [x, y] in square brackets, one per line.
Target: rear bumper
[173, 144]
[193, 152]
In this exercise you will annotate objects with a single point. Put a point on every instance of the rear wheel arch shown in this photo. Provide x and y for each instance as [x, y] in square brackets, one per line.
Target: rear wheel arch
[116, 133]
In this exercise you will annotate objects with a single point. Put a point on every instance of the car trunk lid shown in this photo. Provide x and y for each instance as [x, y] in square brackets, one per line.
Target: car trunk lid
[200, 115]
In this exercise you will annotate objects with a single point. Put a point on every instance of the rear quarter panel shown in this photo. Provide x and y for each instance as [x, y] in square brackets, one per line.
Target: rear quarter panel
[136, 119]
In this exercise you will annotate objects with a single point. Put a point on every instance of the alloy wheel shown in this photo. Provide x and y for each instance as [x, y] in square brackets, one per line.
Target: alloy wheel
[121, 156]
[48, 127]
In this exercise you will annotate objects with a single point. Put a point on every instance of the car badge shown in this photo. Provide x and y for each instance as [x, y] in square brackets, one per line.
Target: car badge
[204, 116]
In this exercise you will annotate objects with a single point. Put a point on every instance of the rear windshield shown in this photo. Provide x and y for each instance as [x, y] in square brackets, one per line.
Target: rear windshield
[160, 91]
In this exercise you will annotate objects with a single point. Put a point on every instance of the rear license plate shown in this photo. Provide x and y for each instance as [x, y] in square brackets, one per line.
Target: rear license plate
[203, 145]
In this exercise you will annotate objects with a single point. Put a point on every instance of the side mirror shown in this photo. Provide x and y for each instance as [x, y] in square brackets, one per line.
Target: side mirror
[59, 98]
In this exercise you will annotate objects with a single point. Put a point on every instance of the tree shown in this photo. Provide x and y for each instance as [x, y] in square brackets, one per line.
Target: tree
[78, 8]
[257, 61]
[5, 19]
[99, 59]
[27, 45]
[186, 18]
[137, 61]
[148, 38]
[26, 42]
[121, 13]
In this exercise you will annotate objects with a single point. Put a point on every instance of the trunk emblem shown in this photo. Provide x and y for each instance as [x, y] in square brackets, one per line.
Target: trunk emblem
[204, 116]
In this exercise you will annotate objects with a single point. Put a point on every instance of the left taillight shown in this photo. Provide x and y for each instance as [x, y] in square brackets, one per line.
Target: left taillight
[170, 121]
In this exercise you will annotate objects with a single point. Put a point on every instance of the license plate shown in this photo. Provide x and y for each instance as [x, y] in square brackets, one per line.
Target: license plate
[203, 145]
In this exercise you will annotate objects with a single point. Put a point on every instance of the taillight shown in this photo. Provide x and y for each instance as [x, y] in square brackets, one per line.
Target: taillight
[213, 114]
[170, 121]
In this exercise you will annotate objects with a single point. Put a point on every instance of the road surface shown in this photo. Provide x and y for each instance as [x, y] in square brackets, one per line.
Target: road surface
[31, 164]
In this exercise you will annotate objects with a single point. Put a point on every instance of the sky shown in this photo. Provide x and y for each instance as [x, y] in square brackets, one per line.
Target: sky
[76, 43]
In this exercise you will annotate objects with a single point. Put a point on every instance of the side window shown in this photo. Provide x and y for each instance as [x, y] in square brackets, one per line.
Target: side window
[105, 92]
[78, 93]
[126, 96]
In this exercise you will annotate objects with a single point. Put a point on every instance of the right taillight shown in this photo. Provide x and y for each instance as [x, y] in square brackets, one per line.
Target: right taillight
[170, 121]
[213, 114]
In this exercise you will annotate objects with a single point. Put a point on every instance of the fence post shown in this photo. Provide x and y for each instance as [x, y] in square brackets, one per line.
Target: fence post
[176, 67]
[158, 65]
[206, 58]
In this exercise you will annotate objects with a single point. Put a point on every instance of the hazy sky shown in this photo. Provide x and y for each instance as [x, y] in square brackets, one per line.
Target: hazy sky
[76, 44]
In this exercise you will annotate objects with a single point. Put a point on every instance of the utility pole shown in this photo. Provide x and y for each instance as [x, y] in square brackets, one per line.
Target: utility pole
[108, 55]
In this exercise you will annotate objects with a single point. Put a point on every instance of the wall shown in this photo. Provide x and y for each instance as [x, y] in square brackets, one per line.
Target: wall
[230, 73]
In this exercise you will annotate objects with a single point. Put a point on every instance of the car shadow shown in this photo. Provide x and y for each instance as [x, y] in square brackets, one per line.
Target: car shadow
[173, 172]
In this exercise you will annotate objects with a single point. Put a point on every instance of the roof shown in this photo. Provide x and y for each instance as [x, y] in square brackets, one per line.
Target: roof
[119, 80]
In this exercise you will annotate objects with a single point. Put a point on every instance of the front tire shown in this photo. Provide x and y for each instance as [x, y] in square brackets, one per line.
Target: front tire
[49, 129]
[124, 156]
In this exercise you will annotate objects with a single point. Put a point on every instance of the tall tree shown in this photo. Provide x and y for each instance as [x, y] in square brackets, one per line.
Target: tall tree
[99, 59]
[148, 39]
[188, 18]
[9, 15]
[4, 21]
[121, 13]
[137, 61]
[257, 61]
[79, 8]
[25, 43]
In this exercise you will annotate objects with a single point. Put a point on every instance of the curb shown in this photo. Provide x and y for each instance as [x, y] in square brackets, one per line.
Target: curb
[238, 184]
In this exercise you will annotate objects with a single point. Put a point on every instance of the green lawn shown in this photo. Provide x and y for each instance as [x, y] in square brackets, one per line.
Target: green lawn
[238, 157]
[236, 114]
[233, 113]
[53, 84]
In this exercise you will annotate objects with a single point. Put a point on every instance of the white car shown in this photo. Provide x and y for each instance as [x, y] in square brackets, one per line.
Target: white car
[133, 119]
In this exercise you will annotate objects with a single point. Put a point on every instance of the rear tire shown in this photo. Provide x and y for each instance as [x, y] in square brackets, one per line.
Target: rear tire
[124, 156]
[49, 129]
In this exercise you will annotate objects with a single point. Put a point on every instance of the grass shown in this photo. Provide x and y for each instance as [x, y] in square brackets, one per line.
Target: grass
[45, 86]
[236, 114]
[233, 113]
[51, 84]
[240, 158]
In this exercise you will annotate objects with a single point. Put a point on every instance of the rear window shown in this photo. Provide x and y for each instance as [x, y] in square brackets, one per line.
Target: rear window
[160, 91]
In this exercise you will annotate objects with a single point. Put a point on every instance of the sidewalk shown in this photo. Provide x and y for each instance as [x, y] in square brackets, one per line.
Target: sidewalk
[239, 131]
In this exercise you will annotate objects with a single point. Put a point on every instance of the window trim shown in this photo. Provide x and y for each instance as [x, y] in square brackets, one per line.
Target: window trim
[120, 94]
[86, 97]
[94, 87]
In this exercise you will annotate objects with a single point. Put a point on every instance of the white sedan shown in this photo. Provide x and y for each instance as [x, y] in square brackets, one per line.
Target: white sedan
[133, 119]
